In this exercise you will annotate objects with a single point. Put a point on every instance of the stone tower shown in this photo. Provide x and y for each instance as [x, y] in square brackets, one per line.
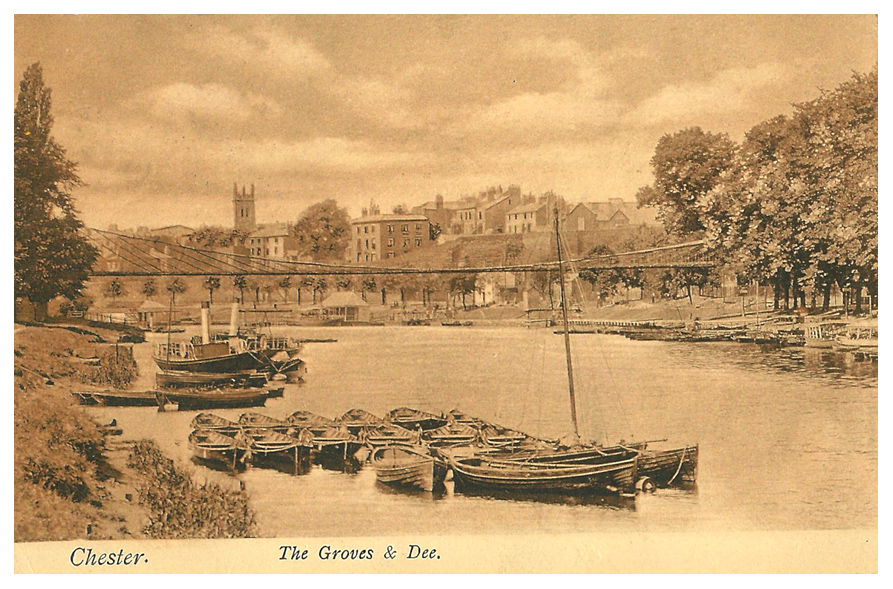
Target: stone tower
[243, 210]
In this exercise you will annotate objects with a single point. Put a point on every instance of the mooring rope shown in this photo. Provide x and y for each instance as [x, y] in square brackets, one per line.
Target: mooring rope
[679, 468]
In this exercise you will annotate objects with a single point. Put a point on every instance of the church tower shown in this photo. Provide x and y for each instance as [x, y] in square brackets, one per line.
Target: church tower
[243, 210]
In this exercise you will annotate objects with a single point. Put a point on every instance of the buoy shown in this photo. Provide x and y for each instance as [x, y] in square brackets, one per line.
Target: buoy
[646, 485]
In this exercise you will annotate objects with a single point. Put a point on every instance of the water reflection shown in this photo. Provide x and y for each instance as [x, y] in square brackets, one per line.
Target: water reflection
[830, 366]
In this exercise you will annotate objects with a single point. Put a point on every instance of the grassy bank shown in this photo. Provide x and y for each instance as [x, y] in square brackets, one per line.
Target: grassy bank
[71, 480]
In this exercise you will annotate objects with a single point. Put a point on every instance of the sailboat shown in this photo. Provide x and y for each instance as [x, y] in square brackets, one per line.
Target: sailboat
[610, 473]
[657, 464]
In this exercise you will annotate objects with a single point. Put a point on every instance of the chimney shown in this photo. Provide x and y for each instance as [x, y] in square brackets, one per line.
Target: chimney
[365, 212]
[206, 322]
[252, 190]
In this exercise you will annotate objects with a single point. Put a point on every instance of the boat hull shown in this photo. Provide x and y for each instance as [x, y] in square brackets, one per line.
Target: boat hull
[615, 476]
[126, 399]
[183, 380]
[189, 400]
[397, 466]
[241, 362]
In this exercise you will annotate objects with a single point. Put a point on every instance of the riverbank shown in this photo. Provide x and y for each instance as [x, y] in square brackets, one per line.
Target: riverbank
[75, 478]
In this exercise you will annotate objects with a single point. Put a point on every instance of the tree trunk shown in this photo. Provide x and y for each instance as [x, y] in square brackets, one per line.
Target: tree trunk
[857, 290]
[384, 296]
[826, 297]
[40, 311]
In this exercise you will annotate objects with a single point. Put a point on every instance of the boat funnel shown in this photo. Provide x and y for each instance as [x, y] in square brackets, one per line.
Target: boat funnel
[234, 319]
[206, 322]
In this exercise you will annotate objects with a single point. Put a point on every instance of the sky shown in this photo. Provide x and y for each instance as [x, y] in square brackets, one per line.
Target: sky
[164, 114]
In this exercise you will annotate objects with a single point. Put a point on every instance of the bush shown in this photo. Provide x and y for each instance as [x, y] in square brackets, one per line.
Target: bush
[182, 509]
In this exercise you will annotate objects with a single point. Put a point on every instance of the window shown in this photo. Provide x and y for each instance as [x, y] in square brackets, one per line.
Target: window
[365, 229]
[367, 244]
[391, 254]
[418, 243]
[373, 243]
[405, 243]
[359, 243]
[390, 228]
[390, 242]
[358, 231]
[406, 228]
[358, 257]
[418, 227]
[372, 259]
[581, 224]
[479, 215]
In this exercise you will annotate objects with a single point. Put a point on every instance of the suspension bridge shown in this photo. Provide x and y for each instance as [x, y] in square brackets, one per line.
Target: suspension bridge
[129, 255]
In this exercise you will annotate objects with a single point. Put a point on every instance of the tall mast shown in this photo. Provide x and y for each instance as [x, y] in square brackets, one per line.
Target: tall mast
[567, 337]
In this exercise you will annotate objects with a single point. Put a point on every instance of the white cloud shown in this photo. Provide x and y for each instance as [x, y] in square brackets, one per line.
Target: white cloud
[207, 101]
[730, 91]
[276, 53]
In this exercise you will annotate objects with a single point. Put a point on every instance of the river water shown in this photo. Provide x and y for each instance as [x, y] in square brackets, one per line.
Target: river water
[788, 437]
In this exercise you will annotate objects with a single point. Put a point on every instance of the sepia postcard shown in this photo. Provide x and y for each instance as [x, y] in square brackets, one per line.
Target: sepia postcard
[446, 294]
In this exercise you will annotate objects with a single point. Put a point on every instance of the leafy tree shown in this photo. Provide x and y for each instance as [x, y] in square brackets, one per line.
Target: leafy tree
[52, 258]
[149, 289]
[368, 283]
[211, 284]
[434, 231]
[284, 285]
[176, 287]
[240, 283]
[687, 166]
[323, 231]
[115, 289]
[463, 285]
[401, 209]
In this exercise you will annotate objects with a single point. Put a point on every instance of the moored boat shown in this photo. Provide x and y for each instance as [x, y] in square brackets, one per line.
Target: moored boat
[268, 445]
[209, 421]
[259, 421]
[452, 434]
[611, 475]
[125, 398]
[193, 380]
[408, 466]
[311, 421]
[213, 446]
[357, 419]
[385, 434]
[413, 419]
[214, 399]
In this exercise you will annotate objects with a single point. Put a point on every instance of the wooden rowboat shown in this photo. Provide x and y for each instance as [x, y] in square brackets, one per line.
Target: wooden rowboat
[317, 424]
[335, 441]
[413, 419]
[612, 476]
[212, 446]
[191, 380]
[384, 435]
[126, 398]
[452, 434]
[408, 466]
[267, 445]
[357, 419]
[214, 399]
[209, 421]
[259, 421]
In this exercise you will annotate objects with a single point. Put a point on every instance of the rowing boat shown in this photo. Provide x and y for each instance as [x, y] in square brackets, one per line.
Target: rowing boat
[125, 398]
[612, 475]
[188, 380]
[317, 424]
[408, 466]
[212, 446]
[413, 419]
[452, 434]
[357, 419]
[209, 421]
[386, 434]
[214, 399]
[259, 421]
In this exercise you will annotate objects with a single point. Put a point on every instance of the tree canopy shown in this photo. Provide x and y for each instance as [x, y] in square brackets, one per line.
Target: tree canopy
[52, 258]
[794, 205]
[323, 231]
